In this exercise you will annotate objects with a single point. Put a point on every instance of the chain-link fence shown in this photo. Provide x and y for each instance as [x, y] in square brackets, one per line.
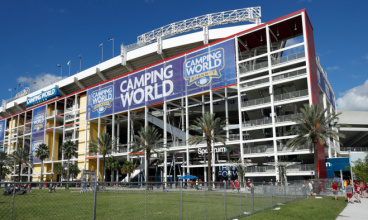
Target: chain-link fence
[171, 200]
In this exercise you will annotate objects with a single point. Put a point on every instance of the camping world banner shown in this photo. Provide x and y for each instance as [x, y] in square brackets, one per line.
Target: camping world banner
[193, 73]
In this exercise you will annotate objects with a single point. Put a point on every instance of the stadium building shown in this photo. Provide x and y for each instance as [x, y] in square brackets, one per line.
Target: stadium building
[255, 76]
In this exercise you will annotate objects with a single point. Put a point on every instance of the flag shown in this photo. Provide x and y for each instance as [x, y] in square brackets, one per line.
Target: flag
[110, 39]
[100, 45]
[59, 65]
[43, 80]
[34, 83]
[20, 85]
[9, 89]
[68, 63]
[80, 56]
[15, 88]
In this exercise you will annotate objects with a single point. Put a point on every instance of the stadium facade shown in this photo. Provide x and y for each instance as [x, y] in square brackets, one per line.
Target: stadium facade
[255, 76]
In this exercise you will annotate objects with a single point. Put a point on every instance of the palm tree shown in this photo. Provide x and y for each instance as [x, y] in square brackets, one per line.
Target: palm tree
[128, 168]
[42, 153]
[210, 130]
[3, 160]
[60, 170]
[21, 156]
[112, 164]
[312, 126]
[74, 170]
[104, 145]
[69, 149]
[146, 140]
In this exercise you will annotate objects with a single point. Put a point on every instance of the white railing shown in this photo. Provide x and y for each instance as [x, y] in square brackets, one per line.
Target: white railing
[256, 101]
[288, 58]
[290, 75]
[283, 118]
[264, 149]
[291, 95]
[261, 169]
[359, 149]
[255, 83]
[245, 68]
[256, 122]
[300, 167]
[282, 147]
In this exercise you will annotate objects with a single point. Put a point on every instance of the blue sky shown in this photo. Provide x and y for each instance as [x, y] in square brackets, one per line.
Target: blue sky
[38, 35]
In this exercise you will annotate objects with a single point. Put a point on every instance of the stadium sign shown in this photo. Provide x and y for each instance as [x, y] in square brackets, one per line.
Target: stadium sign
[216, 150]
[44, 96]
[194, 73]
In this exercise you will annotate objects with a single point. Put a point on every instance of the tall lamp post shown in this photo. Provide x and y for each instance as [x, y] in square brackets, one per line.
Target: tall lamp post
[112, 39]
[101, 45]
[61, 68]
[80, 63]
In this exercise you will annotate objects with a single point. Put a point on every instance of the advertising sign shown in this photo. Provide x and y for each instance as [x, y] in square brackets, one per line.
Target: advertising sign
[38, 130]
[44, 96]
[325, 87]
[2, 130]
[209, 68]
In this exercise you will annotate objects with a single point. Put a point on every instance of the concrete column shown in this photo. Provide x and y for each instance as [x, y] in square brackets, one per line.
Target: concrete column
[187, 129]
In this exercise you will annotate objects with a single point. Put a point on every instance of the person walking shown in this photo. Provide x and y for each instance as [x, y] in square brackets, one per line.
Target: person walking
[237, 185]
[349, 193]
[50, 188]
[310, 188]
[335, 191]
[357, 191]
[363, 188]
[29, 188]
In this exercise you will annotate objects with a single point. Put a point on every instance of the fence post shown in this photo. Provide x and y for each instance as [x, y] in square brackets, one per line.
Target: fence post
[12, 209]
[205, 201]
[252, 191]
[94, 202]
[295, 190]
[285, 191]
[145, 200]
[271, 196]
[262, 198]
[181, 198]
[225, 199]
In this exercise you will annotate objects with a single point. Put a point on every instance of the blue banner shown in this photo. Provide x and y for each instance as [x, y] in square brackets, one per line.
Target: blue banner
[325, 87]
[194, 73]
[44, 96]
[38, 130]
[2, 130]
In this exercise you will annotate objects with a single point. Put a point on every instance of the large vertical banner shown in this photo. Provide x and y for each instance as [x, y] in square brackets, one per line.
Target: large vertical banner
[2, 130]
[193, 73]
[322, 81]
[38, 130]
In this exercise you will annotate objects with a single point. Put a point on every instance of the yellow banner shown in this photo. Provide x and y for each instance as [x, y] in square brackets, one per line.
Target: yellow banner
[209, 73]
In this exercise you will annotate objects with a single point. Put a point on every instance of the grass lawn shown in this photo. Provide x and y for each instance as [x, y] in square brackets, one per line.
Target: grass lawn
[311, 208]
[130, 204]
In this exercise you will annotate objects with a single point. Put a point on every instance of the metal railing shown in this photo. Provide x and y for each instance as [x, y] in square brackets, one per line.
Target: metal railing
[28, 121]
[254, 83]
[300, 167]
[256, 122]
[288, 58]
[264, 149]
[291, 95]
[283, 118]
[359, 149]
[282, 147]
[145, 200]
[256, 101]
[260, 169]
[289, 75]
[247, 67]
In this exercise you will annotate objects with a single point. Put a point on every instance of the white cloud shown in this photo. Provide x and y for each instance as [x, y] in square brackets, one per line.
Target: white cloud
[333, 68]
[355, 99]
[48, 79]
[365, 57]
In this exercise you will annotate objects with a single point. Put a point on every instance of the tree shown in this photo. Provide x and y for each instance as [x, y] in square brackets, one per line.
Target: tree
[146, 139]
[313, 127]
[42, 153]
[360, 169]
[60, 170]
[112, 164]
[241, 169]
[21, 156]
[74, 170]
[4, 159]
[128, 168]
[69, 149]
[210, 130]
[4, 171]
[103, 145]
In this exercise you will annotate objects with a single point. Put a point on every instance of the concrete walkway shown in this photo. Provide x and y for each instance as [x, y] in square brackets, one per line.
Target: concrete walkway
[355, 211]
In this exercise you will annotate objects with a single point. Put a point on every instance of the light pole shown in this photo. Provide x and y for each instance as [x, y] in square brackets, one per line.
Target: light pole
[61, 68]
[69, 66]
[101, 45]
[112, 39]
[80, 63]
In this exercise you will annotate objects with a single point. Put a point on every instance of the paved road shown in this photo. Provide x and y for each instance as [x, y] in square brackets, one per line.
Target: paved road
[355, 211]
